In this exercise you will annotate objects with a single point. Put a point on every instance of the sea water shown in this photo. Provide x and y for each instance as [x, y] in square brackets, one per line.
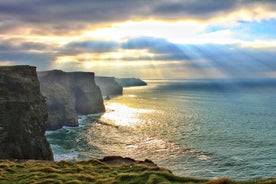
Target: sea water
[198, 128]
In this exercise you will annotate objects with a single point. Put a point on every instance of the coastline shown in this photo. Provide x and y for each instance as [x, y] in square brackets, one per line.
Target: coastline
[53, 171]
[129, 95]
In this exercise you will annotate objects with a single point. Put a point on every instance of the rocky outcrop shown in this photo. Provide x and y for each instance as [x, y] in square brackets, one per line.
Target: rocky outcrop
[127, 82]
[109, 86]
[118, 160]
[23, 113]
[69, 94]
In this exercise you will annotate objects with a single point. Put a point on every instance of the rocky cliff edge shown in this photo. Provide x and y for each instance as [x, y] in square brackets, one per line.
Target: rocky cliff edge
[69, 94]
[23, 113]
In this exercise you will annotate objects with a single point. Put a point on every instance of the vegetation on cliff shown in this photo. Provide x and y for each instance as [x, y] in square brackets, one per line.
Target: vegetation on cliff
[110, 170]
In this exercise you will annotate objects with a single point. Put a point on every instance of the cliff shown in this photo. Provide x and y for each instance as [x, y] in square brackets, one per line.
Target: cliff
[88, 97]
[109, 86]
[69, 94]
[128, 82]
[23, 113]
[60, 101]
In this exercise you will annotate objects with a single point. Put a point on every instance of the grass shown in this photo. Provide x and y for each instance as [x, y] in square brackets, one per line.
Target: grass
[95, 171]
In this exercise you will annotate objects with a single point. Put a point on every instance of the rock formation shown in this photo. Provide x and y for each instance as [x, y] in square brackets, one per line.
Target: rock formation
[127, 82]
[118, 160]
[109, 86]
[23, 113]
[88, 96]
[60, 102]
[69, 94]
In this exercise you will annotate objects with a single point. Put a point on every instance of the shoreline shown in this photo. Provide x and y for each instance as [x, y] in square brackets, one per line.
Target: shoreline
[241, 177]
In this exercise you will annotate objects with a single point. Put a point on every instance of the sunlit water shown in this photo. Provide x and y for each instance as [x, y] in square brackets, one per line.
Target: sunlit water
[191, 127]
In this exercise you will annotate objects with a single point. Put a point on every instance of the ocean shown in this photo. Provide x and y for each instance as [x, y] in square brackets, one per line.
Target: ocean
[197, 128]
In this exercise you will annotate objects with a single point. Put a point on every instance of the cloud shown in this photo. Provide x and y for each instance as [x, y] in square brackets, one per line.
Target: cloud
[115, 10]
[41, 60]
[194, 9]
[21, 46]
[64, 15]
[67, 12]
[92, 46]
[16, 51]
[231, 60]
[147, 52]
[161, 48]
[234, 37]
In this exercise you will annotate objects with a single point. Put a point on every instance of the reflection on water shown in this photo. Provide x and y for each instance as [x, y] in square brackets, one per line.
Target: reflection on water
[123, 115]
[122, 130]
[201, 133]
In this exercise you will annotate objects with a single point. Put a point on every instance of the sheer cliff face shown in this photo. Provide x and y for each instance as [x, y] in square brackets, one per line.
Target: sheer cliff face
[109, 86]
[69, 94]
[60, 101]
[88, 97]
[23, 113]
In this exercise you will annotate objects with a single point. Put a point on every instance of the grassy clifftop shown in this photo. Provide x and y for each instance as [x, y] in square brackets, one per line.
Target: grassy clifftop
[118, 170]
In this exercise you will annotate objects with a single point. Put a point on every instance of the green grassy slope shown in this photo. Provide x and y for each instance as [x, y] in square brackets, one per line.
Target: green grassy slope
[95, 171]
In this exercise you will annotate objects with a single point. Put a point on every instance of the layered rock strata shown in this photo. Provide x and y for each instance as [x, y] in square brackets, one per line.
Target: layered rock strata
[23, 113]
[69, 94]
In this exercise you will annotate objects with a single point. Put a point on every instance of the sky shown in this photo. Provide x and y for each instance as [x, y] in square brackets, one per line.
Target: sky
[142, 38]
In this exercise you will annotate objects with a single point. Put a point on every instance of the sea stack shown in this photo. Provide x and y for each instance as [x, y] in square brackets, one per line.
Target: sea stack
[69, 94]
[23, 113]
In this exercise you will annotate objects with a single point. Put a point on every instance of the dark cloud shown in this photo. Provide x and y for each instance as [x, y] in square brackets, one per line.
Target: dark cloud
[19, 52]
[41, 60]
[64, 14]
[14, 45]
[70, 17]
[13, 8]
[94, 46]
[88, 11]
[200, 9]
